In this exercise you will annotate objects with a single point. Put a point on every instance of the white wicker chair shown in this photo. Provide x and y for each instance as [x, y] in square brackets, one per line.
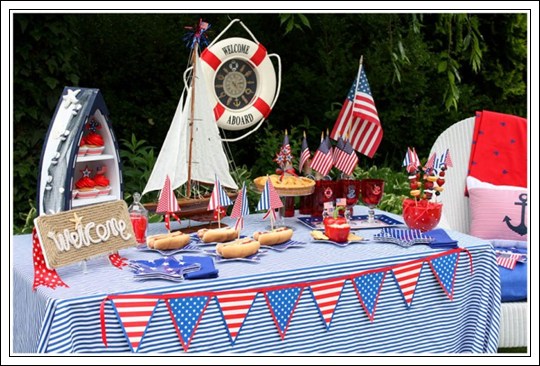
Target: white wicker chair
[455, 216]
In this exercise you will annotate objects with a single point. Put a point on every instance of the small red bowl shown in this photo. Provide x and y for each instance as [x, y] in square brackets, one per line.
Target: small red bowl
[421, 214]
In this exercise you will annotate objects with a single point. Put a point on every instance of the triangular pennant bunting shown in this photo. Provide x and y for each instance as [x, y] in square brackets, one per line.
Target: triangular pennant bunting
[407, 278]
[187, 313]
[134, 315]
[368, 288]
[444, 269]
[235, 308]
[326, 296]
[282, 304]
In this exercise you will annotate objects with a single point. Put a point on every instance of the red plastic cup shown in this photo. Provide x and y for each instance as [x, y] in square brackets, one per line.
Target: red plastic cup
[289, 206]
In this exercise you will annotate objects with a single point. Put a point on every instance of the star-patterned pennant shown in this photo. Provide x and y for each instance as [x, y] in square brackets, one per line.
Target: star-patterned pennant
[444, 269]
[281, 304]
[134, 315]
[234, 308]
[43, 275]
[407, 278]
[368, 287]
[327, 296]
[187, 313]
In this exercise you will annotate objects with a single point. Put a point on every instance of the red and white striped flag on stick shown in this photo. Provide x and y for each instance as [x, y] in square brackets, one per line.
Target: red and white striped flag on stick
[240, 208]
[168, 204]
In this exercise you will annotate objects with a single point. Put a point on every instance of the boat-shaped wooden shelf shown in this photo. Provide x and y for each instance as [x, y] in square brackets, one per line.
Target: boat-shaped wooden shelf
[61, 164]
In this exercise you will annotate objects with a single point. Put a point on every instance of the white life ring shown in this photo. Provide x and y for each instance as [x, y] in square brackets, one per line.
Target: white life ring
[256, 56]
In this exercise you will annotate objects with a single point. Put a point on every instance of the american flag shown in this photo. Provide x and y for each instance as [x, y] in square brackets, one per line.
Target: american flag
[430, 164]
[359, 119]
[240, 208]
[219, 198]
[235, 308]
[326, 296]
[508, 259]
[167, 200]
[304, 155]
[407, 278]
[411, 160]
[323, 160]
[444, 159]
[345, 158]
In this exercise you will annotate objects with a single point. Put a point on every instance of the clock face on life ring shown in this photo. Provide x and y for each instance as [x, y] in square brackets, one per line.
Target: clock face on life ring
[235, 83]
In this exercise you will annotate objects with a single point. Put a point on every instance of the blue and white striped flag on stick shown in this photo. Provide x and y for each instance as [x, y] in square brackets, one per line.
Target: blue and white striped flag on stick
[269, 201]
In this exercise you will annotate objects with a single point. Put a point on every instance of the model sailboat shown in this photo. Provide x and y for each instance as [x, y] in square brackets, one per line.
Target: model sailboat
[192, 150]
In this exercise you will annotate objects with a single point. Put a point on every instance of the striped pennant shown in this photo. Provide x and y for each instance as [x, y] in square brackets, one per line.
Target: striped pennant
[281, 304]
[407, 278]
[219, 197]
[430, 164]
[368, 287]
[167, 200]
[444, 269]
[269, 197]
[327, 296]
[234, 309]
[187, 313]
[134, 315]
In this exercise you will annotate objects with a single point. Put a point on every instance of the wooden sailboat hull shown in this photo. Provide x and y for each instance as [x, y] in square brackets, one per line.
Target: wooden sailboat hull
[193, 209]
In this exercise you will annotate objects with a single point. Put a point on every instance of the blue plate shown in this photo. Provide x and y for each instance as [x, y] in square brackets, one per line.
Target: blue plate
[254, 258]
[188, 248]
[340, 244]
[357, 222]
[284, 246]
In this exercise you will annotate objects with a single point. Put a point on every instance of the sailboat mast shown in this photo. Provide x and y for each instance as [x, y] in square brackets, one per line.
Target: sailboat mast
[191, 115]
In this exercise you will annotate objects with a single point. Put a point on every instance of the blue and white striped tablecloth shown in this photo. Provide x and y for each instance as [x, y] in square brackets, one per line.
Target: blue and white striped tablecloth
[67, 320]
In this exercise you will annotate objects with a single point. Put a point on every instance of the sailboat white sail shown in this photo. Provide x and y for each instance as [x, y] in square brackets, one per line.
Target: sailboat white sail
[208, 157]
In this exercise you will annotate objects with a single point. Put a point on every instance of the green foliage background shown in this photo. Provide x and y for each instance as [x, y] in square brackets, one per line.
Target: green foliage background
[426, 71]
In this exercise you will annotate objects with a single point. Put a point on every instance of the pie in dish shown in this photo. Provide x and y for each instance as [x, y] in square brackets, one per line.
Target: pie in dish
[288, 185]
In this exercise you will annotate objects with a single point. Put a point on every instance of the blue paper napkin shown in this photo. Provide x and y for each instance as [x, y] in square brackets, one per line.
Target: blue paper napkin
[442, 239]
[208, 270]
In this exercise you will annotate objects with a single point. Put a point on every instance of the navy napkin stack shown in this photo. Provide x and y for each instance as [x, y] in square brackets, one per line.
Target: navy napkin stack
[207, 270]
[441, 239]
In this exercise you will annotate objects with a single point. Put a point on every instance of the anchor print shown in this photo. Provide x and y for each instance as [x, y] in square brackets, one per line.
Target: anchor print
[521, 229]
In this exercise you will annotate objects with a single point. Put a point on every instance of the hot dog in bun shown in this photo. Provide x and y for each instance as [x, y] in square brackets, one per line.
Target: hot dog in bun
[276, 236]
[175, 240]
[239, 248]
[217, 235]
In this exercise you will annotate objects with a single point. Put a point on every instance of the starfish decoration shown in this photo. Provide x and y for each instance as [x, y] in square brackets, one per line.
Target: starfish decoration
[77, 220]
[71, 98]
[86, 171]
